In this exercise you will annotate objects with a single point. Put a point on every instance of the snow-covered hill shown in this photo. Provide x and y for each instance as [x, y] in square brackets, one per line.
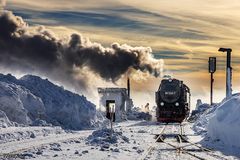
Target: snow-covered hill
[30, 98]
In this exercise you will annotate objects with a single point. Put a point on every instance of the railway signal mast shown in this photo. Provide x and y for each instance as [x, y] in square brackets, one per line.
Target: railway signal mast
[228, 72]
[211, 69]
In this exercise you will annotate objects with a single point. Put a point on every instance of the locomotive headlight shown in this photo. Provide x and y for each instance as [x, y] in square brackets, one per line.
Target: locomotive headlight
[162, 104]
[177, 104]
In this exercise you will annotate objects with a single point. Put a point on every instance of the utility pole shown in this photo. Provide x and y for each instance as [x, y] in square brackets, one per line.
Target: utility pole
[228, 72]
[211, 70]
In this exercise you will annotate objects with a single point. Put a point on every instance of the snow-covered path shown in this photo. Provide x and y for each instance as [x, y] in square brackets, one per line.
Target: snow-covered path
[141, 138]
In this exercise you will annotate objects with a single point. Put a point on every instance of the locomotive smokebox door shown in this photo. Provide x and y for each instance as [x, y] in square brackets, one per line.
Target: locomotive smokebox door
[212, 64]
[110, 109]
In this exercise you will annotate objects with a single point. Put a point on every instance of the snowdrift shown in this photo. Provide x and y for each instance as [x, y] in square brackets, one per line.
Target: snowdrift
[19, 104]
[221, 122]
[30, 98]
[225, 122]
[202, 119]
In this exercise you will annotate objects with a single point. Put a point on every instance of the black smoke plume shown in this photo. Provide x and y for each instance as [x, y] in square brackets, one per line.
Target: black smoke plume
[39, 50]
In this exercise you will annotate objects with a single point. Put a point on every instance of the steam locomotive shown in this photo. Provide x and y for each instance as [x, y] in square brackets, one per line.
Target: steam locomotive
[173, 101]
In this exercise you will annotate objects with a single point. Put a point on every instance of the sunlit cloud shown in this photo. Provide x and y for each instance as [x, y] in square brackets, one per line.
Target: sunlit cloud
[183, 35]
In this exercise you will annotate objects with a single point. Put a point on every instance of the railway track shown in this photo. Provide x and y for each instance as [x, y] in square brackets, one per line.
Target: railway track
[180, 148]
[152, 147]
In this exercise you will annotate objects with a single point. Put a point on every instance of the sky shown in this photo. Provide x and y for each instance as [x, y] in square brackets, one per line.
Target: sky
[181, 33]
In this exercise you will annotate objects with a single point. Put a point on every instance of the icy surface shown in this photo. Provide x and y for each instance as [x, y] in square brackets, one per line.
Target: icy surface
[30, 98]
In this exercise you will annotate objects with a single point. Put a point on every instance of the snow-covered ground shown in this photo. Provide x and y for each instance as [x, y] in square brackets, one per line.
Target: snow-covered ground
[131, 140]
[40, 120]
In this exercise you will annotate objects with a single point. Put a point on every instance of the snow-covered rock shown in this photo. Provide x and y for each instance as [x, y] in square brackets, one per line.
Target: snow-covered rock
[224, 124]
[29, 98]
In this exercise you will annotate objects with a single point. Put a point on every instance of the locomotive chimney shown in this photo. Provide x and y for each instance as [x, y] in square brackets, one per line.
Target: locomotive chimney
[128, 87]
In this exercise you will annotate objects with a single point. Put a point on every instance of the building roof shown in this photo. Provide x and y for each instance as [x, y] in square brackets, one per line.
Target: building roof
[109, 90]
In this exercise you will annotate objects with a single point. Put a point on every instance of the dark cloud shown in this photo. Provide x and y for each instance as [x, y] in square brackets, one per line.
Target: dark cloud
[40, 50]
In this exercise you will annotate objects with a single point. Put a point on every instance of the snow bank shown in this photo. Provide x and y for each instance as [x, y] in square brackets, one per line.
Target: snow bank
[19, 104]
[224, 124]
[202, 120]
[221, 122]
[62, 107]
[30, 98]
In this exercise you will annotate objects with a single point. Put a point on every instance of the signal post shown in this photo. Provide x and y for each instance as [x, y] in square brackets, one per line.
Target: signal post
[211, 70]
[228, 72]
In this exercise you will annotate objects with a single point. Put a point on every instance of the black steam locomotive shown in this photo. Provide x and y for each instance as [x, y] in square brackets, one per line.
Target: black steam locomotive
[173, 101]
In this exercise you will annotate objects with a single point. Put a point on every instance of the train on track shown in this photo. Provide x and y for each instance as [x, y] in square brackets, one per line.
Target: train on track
[173, 101]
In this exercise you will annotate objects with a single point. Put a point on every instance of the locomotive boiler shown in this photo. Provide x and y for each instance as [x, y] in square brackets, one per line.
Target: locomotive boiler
[173, 101]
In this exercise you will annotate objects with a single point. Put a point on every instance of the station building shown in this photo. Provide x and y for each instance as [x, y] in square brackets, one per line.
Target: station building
[123, 103]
